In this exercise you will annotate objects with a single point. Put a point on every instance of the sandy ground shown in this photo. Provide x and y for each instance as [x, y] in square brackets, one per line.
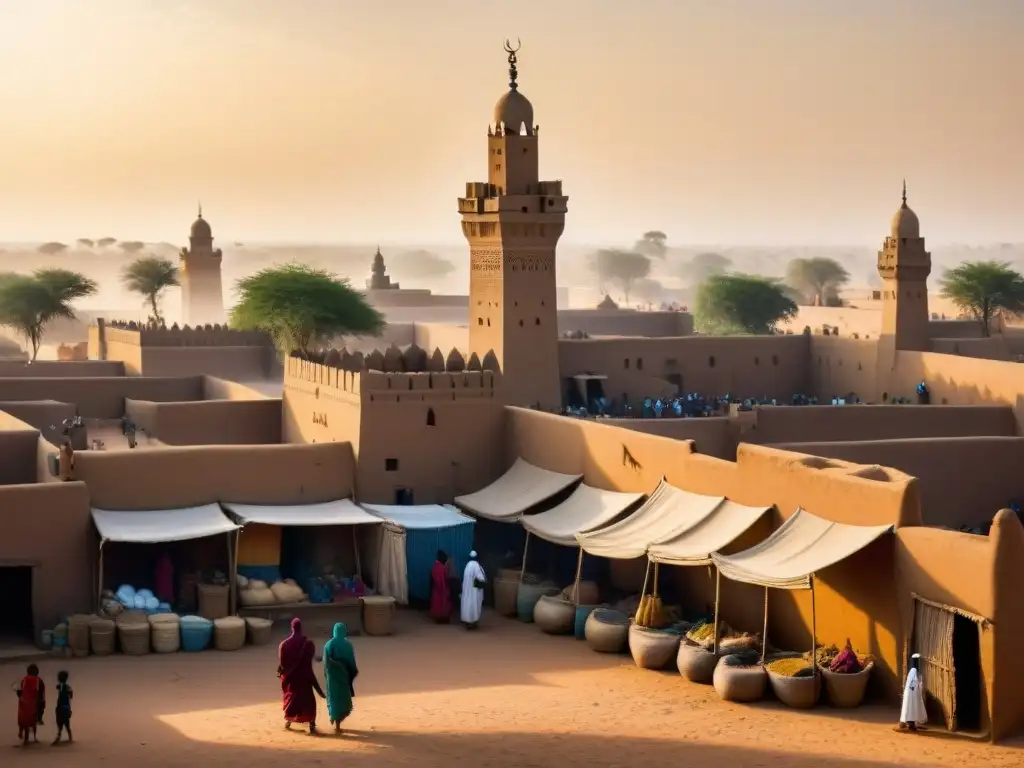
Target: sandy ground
[505, 696]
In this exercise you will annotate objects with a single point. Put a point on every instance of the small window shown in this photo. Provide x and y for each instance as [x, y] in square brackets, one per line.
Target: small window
[499, 151]
[757, 361]
[479, 321]
[488, 322]
[550, 201]
[625, 363]
[775, 359]
[497, 167]
[639, 363]
[524, 209]
[711, 362]
[520, 323]
[431, 419]
[390, 465]
[536, 321]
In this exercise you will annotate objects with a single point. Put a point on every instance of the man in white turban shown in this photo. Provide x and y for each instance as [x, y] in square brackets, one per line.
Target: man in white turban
[913, 713]
[473, 580]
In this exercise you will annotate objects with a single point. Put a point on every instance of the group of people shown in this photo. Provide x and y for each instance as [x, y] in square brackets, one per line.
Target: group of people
[32, 706]
[295, 656]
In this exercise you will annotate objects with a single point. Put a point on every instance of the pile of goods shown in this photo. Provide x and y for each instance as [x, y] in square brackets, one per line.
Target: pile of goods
[253, 592]
[331, 588]
[795, 666]
[841, 662]
[702, 633]
[112, 604]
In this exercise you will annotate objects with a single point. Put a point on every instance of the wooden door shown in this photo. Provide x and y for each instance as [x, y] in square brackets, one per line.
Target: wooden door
[933, 640]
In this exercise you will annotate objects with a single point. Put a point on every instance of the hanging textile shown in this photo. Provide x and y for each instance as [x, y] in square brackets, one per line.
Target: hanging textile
[392, 569]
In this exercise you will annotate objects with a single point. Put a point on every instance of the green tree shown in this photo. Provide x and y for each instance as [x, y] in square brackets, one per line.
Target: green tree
[736, 303]
[652, 244]
[299, 306]
[985, 290]
[623, 268]
[817, 277]
[150, 276]
[29, 302]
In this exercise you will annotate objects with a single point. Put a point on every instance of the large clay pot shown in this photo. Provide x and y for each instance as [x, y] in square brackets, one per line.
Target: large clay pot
[505, 591]
[736, 680]
[554, 615]
[846, 691]
[607, 630]
[727, 646]
[797, 691]
[588, 593]
[653, 648]
[695, 662]
[580, 625]
[527, 596]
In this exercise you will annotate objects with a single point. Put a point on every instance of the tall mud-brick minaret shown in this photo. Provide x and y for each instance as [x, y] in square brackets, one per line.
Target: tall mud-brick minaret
[513, 222]
[202, 297]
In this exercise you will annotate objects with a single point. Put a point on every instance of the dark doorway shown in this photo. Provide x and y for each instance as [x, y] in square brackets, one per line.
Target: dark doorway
[16, 620]
[676, 380]
[595, 395]
[967, 674]
[403, 497]
[573, 396]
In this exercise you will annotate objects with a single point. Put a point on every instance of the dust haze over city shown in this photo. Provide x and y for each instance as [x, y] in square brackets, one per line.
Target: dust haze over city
[760, 132]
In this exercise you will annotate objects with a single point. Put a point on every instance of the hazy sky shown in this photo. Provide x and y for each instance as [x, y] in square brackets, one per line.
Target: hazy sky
[734, 121]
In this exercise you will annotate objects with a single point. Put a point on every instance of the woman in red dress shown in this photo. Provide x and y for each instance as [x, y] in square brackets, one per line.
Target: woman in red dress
[298, 682]
[29, 699]
[440, 590]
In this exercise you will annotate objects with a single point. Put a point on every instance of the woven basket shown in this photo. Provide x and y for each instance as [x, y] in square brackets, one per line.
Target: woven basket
[78, 634]
[214, 601]
[165, 634]
[259, 630]
[846, 690]
[378, 615]
[102, 636]
[134, 636]
[196, 633]
[228, 633]
[797, 691]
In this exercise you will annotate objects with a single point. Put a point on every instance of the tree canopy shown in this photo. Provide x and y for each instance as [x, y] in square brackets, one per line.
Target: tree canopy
[52, 249]
[652, 244]
[736, 303]
[132, 246]
[623, 268]
[817, 277]
[85, 242]
[150, 276]
[300, 306]
[104, 242]
[702, 266]
[985, 290]
[29, 302]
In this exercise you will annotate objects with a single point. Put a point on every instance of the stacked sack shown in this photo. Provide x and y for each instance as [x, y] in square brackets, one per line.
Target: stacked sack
[256, 593]
[139, 600]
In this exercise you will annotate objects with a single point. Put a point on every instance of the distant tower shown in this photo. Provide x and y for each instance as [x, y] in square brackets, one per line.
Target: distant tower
[904, 266]
[202, 298]
[513, 223]
[379, 280]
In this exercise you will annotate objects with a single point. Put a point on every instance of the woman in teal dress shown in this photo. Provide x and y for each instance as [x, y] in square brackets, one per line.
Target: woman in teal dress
[340, 671]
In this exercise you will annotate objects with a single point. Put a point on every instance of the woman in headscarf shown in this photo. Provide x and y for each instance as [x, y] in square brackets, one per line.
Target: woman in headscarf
[340, 672]
[298, 681]
[440, 590]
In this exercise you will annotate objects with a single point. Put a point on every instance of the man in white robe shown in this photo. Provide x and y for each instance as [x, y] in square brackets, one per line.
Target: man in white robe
[913, 713]
[472, 603]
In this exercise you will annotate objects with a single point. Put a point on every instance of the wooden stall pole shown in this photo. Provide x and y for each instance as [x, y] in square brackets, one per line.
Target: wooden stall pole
[647, 575]
[576, 583]
[234, 570]
[355, 548]
[526, 549]
[718, 583]
[814, 631]
[764, 632]
[99, 577]
[657, 574]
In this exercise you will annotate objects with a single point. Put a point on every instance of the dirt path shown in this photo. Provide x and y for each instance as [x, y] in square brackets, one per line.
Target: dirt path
[506, 696]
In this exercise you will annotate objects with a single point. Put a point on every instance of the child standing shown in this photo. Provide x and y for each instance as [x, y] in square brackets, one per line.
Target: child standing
[30, 694]
[63, 711]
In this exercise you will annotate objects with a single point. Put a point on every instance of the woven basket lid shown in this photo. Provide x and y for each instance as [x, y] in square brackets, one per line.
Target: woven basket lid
[257, 622]
[378, 600]
[79, 618]
[164, 618]
[100, 623]
[229, 622]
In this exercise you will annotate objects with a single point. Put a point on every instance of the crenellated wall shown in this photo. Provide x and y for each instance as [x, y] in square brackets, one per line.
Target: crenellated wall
[434, 434]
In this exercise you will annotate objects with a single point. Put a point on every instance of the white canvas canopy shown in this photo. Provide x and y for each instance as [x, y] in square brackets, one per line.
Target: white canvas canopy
[802, 546]
[522, 487]
[587, 509]
[697, 542]
[161, 525]
[667, 512]
[338, 512]
[422, 517]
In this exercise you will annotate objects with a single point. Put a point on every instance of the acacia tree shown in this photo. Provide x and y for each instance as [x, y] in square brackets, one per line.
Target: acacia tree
[150, 276]
[737, 303]
[52, 249]
[702, 266]
[623, 268]
[105, 242]
[29, 302]
[985, 290]
[85, 242]
[132, 246]
[818, 276]
[299, 307]
[653, 244]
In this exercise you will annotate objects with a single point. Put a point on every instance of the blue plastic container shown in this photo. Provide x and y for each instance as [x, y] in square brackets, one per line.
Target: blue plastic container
[582, 614]
[196, 633]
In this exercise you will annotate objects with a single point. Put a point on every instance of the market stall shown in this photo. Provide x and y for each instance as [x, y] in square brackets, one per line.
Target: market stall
[791, 557]
[320, 591]
[164, 527]
[410, 539]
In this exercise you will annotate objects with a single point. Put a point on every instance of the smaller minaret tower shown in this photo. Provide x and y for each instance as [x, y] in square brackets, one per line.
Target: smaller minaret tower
[904, 266]
[202, 296]
[379, 279]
